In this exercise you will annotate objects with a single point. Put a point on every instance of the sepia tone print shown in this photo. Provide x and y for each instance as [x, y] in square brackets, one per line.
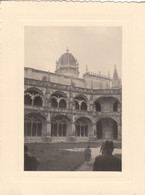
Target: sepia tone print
[72, 110]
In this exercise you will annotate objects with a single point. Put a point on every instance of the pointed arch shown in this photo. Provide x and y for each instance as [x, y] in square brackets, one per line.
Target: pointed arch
[98, 106]
[82, 125]
[59, 125]
[33, 124]
[83, 105]
[81, 97]
[27, 99]
[58, 100]
[37, 100]
[62, 103]
[107, 128]
[33, 96]
[116, 106]
[80, 102]
[59, 94]
[34, 90]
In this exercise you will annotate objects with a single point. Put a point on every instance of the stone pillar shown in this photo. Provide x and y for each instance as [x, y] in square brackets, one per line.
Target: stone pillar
[94, 129]
[73, 126]
[70, 103]
[92, 132]
[72, 134]
[43, 102]
[49, 103]
[48, 126]
[90, 105]
[73, 129]
[70, 100]
[47, 100]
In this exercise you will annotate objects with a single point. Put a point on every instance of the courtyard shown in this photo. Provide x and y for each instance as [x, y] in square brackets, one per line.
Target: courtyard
[66, 156]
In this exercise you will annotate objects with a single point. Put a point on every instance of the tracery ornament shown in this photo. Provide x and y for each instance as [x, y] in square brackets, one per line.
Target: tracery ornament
[58, 100]
[33, 96]
[80, 103]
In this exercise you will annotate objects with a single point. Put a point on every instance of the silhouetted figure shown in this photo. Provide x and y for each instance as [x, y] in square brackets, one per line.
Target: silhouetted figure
[30, 162]
[102, 147]
[87, 154]
[106, 161]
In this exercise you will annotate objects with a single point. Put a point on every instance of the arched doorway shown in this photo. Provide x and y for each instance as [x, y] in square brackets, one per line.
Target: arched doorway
[107, 129]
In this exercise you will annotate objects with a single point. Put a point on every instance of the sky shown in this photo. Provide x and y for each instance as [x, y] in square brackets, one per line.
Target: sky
[97, 47]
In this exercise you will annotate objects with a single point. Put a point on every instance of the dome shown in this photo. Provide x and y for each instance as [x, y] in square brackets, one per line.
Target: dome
[67, 65]
[67, 59]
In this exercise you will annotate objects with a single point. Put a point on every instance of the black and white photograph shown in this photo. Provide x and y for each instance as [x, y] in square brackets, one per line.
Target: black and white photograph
[73, 98]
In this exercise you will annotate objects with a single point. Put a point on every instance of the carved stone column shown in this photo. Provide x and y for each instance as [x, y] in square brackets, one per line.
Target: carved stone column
[72, 134]
[92, 132]
[70, 104]
[73, 129]
[90, 105]
[47, 96]
[48, 125]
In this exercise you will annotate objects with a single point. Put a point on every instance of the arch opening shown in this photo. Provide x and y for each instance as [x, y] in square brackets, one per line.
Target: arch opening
[32, 126]
[59, 125]
[58, 100]
[80, 102]
[33, 96]
[62, 103]
[107, 128]
[27, 100]
[82, 126]
[98, 106]
[53, 103]
[83, 106]
[37, 101]
[116, 106]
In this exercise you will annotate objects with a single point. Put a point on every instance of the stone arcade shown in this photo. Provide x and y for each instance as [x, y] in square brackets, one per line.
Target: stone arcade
[61, 107]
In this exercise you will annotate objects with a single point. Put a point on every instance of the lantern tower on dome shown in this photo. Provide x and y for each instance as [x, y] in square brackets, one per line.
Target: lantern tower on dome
[67, 65]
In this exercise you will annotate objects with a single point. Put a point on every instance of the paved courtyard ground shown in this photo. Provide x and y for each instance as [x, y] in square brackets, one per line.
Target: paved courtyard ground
[95, 152]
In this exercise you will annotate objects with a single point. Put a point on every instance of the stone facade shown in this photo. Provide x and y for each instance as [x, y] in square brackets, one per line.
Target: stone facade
[61, 107]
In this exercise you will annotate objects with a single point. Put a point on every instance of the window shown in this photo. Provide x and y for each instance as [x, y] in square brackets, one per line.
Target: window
[58, 100]
[76, 105]
[27, 99]
[33, 97]
[54, 103]
[58, 129]
[80, 103]
[98, 107]
[81, 129]
[62, 103]
[83, 106]
[37, 101]
[32, 128]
